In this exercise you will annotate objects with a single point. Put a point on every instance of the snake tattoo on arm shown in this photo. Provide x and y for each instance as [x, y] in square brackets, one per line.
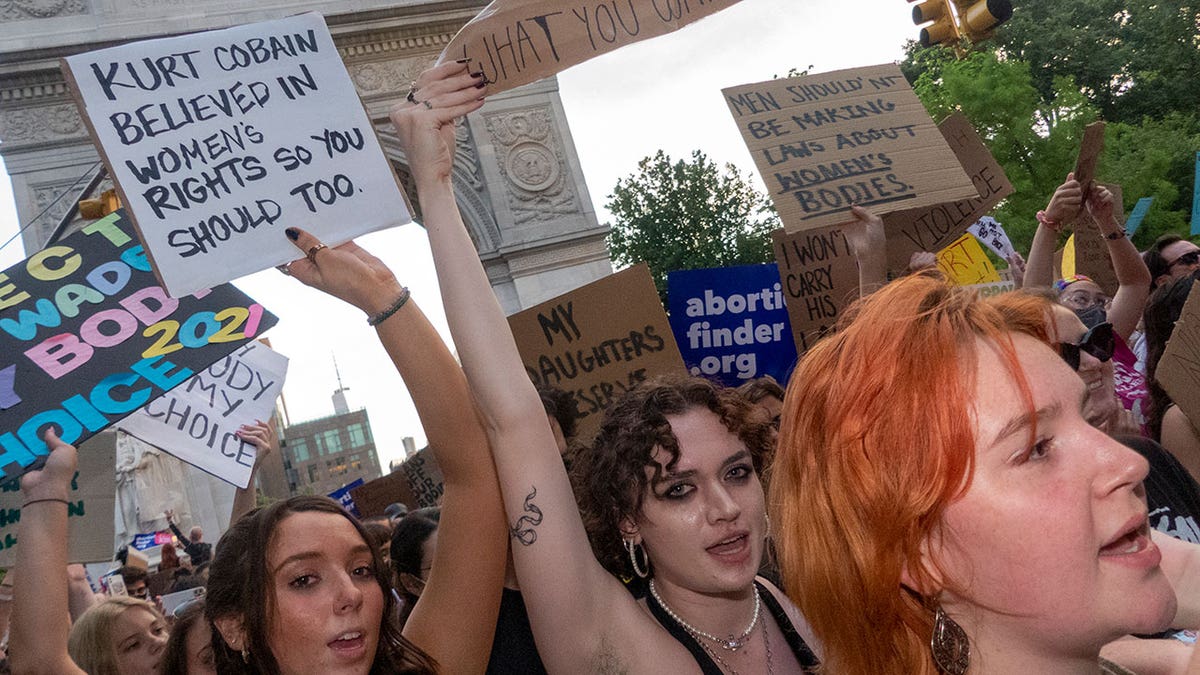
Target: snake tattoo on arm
[522, 530]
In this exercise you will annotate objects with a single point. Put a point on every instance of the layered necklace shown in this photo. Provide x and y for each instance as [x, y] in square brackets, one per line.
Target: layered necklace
[731, 643]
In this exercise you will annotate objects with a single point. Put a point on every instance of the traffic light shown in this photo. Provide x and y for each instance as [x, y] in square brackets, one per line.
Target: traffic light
[106, 203]
[977, 19]
[943, 29]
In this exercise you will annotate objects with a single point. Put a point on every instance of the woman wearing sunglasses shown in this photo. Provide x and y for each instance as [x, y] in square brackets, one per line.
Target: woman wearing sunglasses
[1084, 296]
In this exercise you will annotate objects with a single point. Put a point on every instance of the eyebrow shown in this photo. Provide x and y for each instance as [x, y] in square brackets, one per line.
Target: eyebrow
[1027, 420]
[732, 459]
[310, 555]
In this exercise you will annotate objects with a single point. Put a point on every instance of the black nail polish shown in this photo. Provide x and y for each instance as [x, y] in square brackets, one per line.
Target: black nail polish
[466, 60]
[292, 233]
[477, 75]
[482, 84]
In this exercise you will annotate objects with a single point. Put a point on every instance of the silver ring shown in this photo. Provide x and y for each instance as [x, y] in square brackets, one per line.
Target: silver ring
[285, 269]
[412, 93]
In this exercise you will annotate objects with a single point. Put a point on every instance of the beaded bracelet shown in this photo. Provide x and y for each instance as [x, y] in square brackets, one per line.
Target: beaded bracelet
[395, 307]
[47, 499]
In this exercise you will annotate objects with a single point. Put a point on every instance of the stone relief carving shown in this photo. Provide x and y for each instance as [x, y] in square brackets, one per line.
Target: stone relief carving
[21, 10]
[379, 77]
[38, 125]
[44, 197]
[532, 161]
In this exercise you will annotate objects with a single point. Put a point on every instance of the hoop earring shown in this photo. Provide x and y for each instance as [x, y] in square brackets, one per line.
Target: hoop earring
[949, 645]
[643, 569]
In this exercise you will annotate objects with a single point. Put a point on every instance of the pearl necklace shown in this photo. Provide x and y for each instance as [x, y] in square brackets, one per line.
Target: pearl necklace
[729, 644]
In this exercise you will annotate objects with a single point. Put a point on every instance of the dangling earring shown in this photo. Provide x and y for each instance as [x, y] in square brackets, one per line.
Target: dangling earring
[949, 645]
[245, 655]
[643, 569]
[767, 533]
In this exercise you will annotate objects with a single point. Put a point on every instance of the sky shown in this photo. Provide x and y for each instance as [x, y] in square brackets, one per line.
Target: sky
[663, 93]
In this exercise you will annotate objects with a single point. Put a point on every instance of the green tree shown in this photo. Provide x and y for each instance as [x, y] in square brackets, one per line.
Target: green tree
[677, 215]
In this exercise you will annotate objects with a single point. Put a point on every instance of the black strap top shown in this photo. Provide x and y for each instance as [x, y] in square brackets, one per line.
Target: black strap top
[808, 660]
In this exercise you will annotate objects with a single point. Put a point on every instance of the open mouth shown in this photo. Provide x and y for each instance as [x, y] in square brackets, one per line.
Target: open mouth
[348, 643]
[731, 546]
[1132, 545]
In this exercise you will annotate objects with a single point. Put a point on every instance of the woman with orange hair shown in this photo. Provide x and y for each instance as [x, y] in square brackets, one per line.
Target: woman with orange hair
[949, 506]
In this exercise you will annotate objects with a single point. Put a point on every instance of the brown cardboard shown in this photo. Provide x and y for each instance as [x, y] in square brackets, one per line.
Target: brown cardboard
[598, 341]
[819, 274]
[417, 483]
[824, 142]
[515, 42]
[92, 500]
[936, 227]
[1092, 258]
[1089, 156]
[1179, 369]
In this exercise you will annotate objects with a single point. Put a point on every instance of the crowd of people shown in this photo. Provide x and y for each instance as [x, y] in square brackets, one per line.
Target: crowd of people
[949, 484]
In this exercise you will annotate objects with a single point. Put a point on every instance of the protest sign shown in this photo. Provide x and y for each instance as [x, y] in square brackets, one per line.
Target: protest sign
[1196, 199]
[416, 483]
[218, 140]
[936, 227]
[597, 342]
[342, 496]
[1179, 369]
[731, 323]
[993, 288]
[90, 506]
[991, 233]
[198, 420]
[147, 540]
[1090, 150]
[516, 42]
[1091, 255]
[965, 264]
[819, 277]
[1139, 214]
[823, 143]
[89, 337]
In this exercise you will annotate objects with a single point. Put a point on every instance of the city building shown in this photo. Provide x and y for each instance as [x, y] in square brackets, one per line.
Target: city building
[324, 454]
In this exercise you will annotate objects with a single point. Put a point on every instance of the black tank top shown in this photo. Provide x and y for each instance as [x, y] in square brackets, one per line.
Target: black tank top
[808, 660]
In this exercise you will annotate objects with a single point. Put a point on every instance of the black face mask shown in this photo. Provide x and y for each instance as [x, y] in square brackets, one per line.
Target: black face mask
[1092, 316]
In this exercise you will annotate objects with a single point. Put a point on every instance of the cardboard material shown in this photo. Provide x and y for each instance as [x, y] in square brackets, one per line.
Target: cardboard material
[964, 263]
[91, 338]
[1092, 258]
[196, 422]
[991, 233]
[219, 140]
[516, 42]
[1196, 199]
[819, 277]
[90, 507]
[1179, 369]
[936, 227]
[731, 323]
[823, 143]
[993, 288]
[1090, 150]
[417, 483]
[597, 342]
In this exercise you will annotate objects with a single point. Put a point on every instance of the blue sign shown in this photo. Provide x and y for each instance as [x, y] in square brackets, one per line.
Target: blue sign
[1196, 199]
[342, 496]
[1138, 215]
[731, 323]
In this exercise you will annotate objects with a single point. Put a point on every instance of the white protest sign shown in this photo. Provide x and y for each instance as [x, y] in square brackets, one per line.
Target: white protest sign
[196, 421]
[991, 233]
[219, 140]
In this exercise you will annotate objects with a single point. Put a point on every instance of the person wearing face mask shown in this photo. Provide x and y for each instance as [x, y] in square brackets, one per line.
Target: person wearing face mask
[1084, 296]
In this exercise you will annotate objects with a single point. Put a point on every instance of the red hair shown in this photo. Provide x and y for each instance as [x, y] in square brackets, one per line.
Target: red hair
[876, 441]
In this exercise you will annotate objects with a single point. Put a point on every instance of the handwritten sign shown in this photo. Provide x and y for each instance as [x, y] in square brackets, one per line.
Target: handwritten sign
[88, 337]
[598, 341]
[731, 323]
[991, 233]
[993, 288]
[1139, 214]
[1179, 369]
[90, 506]
[964, 263]
[1090, 150]
[823, 143]
[417, 483]
[219, 140]
[196, 422]
[516, 42]
[818, 274]
[1092, 258]
[936, 227]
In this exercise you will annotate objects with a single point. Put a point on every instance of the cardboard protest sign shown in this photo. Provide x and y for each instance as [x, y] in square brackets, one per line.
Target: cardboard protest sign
[1179, 369]
[218, 140]
[342, 496]
[90, 506]
[1139, 214]
[196, 422]
[417, 483]
[965, 264]
[597, 342]
[731, 323]
[1196, 199]
[936, 227]
[991, 233]
[1091, 256]
[1090, 150]
[819, 277]
[989, 289]
[823, 143]
[89, 337]
[516, 42]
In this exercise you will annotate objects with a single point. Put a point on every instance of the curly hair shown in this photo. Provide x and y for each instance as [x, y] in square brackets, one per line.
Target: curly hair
[239, 583]
[633, 428]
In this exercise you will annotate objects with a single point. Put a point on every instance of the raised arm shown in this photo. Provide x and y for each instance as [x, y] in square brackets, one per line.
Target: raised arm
[455, 620]
[40, 619]
[262, 435]
[1133, 277]
[866, 236]
[1067, 199]
[569, 595]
